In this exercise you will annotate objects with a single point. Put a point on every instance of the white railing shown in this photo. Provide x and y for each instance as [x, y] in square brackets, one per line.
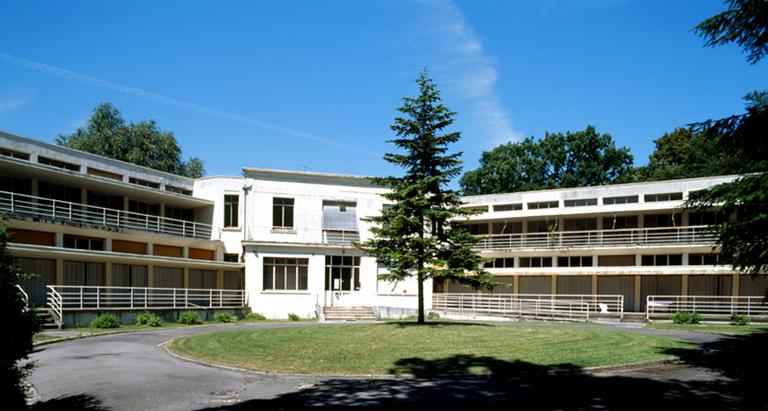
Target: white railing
[340, 237]
[55, 304]
[74, 297]
[537, 306]
[701, 234]
[717, 307]
[39, 207]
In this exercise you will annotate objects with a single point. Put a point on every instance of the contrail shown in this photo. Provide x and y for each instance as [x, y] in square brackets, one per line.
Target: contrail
[96, 82]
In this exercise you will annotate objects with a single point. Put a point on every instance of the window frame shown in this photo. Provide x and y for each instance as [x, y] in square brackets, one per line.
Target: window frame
[287, 204]
[286, 265]
[231, 211]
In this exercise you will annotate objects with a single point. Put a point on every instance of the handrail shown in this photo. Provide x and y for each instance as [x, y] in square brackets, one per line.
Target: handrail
[54, 301]
[27, 205]
[700, 234]
[660, 306]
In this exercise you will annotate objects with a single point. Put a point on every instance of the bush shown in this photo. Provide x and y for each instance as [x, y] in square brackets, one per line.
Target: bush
[293, 317]
[254, 317]
[684, 317]
[433, 316]
[224, 318]
[148, 319]
[190, 318]
[739, 319]
[105, 321]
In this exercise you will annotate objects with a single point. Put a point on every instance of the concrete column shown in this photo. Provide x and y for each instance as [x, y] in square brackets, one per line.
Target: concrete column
[35, 190]
[594, 284]
[58, 240]
[735, 287]
[638, 284]
[684, 287]
[516, 284]
[553, 288]
[108, 244]
[640, 220]
[150, 275]
[186, 277]
[185, 252]
[162, 209]
[150, 248]
[125, 203]
[685, 258]
[108, 273]
[219, 279]
[84, 195]
[59, 271]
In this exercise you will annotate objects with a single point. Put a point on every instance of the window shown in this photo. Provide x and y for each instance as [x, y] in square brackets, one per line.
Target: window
[579, 261]
[105, 200]
[501, 263]
[541, 226]
[514, 227]
[583, 202]
[661, 220]
[231, 202]
[526, 262]
[13, 154]
[543, 204]
[615, 260]
[702, 259]
[16, 185]
[481, 208]
[508, 207]
[342, 273]
[144, 183]
[662, 259]
[231, 258]
[186, 214]
[619, 200]
[477, 229]
[704, 218]
[580, 224]
[651, 198]
[105, 174]
[286, 273]
[141, 207]
[83, 243]
[619, 222]
[57, 192]
[58, 164]
[282, 213]
[178, 190]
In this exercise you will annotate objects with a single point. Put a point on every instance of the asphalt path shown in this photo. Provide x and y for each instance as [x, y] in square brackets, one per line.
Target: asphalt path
[131, 371]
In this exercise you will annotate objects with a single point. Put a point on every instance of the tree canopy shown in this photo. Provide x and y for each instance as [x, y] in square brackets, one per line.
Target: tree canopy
[417, 235]
[745, 23]
[143, 143]
[572, 159]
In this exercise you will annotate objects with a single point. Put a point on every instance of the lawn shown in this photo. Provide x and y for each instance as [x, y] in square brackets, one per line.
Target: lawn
[377, 348]
[712, 328]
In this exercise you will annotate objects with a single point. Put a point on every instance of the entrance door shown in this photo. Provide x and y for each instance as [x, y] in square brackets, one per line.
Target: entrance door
[342, 278]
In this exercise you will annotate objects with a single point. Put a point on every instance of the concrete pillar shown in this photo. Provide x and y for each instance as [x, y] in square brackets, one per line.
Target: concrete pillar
[59, 271]
[638, 284]
[594, 284]
[35, 185]
[108, 244]
[185, 252]
[685, 258]
[125, 203]
[186, 276]
[553, 288]
[516, 284]
[150, 248]
[108, 273]
[220, 279]
[735, 287]
[58, 240]
[150, 275]
[640, 220]
[84, 195]
[684, 287]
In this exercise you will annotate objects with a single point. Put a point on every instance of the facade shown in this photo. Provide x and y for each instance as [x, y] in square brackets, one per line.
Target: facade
[284, 239]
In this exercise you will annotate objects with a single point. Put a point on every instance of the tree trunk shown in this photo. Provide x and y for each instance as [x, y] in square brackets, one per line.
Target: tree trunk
[421, 297]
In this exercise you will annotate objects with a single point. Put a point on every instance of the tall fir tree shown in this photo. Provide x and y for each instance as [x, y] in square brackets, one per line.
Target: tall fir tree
[418, 235]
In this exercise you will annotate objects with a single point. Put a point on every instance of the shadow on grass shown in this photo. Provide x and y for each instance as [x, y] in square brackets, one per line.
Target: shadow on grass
[435, 324]
[70, 402]
[464, 382]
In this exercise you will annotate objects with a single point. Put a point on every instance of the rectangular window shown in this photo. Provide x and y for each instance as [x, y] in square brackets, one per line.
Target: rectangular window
[105, 174]
[582, 202]
[282, 213]
[661, 220]
[105, 200]
[615, 260]
[704, 218]
[543, 204]
[619, 200]
[702, 259]
[58, 164]
[186, 214]
[231, 258]
[141, 207]
[526, 262]
[83, 243]
[514, 227]
[501, 263]
[57, 192]
[480, 208]
[619, 222]
[178, 190]
[580, 224]
[651, 198]
[231, 202]
[661, 259]
[286, 273]
[508, 207]
[477, 229]
[578, 261]
[540, 226]
[13, 154]
[342, 273]
[144, 183]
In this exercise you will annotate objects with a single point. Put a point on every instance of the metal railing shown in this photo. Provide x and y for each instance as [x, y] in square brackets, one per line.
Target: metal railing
[340, 237]
[63, 298]
[39, 207]
[716, 307]
[537, 306]
[702, 234]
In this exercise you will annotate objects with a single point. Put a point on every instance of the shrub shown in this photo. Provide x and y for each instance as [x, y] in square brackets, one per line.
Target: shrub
[433, 316]
[684, 317]
[190, 318]
[254, 317]
[293, 317]
[224, 318]
[739, 319]
[105, 321]
[148, 319]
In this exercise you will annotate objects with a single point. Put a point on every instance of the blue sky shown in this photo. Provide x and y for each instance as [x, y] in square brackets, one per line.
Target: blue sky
[315, 85]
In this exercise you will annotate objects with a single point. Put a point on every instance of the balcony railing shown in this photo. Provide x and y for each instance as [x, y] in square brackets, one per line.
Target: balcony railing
[701, 234]
[708, 306]
[340, 237]
[37, 207]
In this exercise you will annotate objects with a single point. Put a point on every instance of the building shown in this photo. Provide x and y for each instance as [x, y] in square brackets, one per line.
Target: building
[113, 235]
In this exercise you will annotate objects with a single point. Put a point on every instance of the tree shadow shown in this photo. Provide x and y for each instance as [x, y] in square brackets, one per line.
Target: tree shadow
[435, 324]
[464, 382]
[70, 402]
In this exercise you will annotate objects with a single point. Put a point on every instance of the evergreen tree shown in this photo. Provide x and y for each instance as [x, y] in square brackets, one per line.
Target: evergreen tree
[418, 234]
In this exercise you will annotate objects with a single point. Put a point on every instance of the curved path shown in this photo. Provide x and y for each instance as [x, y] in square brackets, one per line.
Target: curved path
[131, 370]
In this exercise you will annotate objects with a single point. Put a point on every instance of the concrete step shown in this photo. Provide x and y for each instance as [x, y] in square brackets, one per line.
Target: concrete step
[349, 314]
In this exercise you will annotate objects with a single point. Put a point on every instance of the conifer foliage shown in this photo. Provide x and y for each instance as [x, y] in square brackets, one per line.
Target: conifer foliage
[417, 234]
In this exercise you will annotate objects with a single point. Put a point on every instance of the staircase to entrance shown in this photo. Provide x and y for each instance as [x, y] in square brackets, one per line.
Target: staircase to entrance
[349, 314]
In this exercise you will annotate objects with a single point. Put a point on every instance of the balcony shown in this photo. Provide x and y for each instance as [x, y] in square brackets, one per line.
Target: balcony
[21, 205]
[340, 237]
[690, 235]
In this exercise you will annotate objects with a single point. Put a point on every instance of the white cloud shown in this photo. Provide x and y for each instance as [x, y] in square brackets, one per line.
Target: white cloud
[468, 72]
[12, 103]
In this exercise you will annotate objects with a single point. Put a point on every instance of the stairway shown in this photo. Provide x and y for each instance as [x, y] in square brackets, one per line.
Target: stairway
[635, 318]
[349, 314]
[47, 321]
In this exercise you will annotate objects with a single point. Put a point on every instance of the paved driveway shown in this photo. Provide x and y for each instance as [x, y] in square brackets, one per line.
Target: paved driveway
[131, 372]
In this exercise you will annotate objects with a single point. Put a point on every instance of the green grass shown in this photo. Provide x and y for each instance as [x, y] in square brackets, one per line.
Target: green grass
[712, 328]
[376, 348]
[39, 337]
